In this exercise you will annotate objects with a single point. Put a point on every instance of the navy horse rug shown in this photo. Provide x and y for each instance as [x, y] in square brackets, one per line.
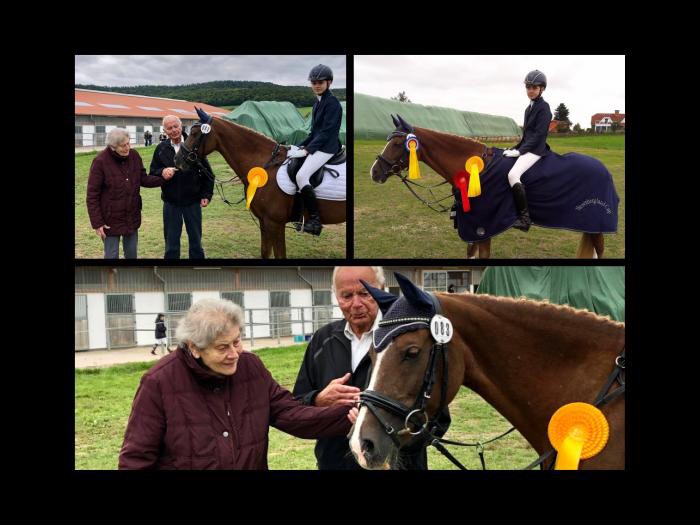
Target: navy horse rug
[571, 192]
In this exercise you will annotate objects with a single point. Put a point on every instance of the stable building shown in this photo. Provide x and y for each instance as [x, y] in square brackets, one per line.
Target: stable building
[98, 112]
[117, 307]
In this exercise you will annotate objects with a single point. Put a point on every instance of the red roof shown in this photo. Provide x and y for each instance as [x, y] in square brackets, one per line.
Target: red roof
[88, 102]
[553, 125]
[615, 117]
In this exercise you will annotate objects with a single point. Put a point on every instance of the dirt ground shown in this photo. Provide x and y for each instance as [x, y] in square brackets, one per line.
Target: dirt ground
[102, 358]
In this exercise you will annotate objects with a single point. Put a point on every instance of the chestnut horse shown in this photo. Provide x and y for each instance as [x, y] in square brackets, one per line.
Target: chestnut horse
[445, 154]
[525, 358]
[243, 149]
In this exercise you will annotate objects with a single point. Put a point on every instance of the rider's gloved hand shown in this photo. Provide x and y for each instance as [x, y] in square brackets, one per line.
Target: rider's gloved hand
[295, 152]
[511, 153]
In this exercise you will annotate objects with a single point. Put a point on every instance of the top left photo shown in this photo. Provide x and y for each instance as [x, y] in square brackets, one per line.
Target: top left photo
[210, 156]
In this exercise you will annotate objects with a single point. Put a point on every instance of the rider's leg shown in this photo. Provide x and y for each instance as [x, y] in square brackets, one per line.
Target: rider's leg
[521, 165]
[310, 166]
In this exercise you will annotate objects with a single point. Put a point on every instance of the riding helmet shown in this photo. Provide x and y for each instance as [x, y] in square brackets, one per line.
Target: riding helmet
[537, 78]
[321, 72]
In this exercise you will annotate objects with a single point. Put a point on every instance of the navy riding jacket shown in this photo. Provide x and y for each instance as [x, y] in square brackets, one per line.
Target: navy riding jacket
[535, 129]
[326, 117]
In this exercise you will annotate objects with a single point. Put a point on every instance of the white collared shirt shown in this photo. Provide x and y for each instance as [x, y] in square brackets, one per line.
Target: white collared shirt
[360, 345]
[176, 146]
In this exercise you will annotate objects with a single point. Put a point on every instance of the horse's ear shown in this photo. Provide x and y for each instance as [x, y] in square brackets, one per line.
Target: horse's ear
[414, 295]
[384, 299]
[397, 124]
[203, 117]
[405, 125]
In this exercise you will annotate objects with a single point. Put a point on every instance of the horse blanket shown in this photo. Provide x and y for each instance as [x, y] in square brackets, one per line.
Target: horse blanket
[570, 191]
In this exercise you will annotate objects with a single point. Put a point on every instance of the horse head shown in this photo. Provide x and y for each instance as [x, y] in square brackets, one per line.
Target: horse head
[199, 143]
[394, 158]
[406, 389]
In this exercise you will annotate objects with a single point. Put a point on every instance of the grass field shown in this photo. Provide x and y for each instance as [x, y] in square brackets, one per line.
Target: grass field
[228, 232]
[103, 400]
[391, 223]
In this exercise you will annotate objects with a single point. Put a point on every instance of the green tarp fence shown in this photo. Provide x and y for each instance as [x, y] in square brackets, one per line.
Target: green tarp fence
[373, 119]
[280, 121]
[599, 289]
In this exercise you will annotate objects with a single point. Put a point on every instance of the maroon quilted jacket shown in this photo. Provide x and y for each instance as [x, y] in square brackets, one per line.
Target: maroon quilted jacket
[185, 416]
[113, 191]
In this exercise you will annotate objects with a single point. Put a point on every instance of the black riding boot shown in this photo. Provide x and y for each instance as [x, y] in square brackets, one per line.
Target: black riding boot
[153, 352]
[313, 225]
[523, 221]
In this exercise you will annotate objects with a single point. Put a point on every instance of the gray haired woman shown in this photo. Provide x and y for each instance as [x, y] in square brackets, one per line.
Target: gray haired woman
[113, 194]
[210, 404]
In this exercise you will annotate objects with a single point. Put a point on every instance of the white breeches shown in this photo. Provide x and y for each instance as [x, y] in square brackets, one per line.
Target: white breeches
[524, 163]
[312, 164]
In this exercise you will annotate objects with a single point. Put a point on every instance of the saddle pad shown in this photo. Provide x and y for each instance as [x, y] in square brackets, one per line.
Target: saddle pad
[331, 189]
[571, 192]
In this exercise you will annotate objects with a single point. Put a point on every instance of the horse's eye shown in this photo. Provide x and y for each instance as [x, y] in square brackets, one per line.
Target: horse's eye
[411, 352]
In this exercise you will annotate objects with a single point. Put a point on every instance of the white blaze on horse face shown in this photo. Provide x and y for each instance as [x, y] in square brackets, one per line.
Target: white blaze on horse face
[355, 438]
[371, 170]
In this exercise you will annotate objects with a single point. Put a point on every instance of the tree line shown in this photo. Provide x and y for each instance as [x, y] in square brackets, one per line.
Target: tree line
[224, 92]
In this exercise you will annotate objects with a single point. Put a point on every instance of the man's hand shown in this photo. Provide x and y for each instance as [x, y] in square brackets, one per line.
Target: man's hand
[101, 232]
[204, 203]
[337, 393]
[168, 173]
[352, 415]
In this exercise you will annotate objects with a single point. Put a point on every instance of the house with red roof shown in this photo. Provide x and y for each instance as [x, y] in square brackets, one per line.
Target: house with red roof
[603, 122]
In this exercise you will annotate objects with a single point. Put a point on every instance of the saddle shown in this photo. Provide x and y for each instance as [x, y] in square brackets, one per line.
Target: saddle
[295, 164]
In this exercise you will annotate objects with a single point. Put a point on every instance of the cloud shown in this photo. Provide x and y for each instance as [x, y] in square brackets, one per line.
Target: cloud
[133, 70]
[494, 83]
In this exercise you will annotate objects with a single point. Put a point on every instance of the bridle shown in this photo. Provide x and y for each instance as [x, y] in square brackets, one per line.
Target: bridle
[400, 165]
[427, 429]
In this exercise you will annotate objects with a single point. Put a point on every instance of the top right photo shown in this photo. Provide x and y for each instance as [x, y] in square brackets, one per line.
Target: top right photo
[489, 156]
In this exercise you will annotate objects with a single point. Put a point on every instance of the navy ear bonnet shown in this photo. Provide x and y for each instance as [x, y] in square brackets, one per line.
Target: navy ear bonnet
[411, 312]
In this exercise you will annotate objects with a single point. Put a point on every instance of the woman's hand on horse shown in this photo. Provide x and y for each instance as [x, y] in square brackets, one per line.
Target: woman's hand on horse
[204, 203]
[101, 232]
[168, 173]
[337, 393]
[352, 415]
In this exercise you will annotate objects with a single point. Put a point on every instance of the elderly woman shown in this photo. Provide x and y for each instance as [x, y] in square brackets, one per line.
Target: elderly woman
[113, 194]
[209, 405]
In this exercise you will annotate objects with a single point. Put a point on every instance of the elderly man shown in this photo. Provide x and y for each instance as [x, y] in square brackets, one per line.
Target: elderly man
[183, 196]
[337, 366]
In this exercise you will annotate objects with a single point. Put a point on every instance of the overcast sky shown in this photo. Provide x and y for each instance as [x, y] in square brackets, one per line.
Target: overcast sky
[494, 84]
[135, 70]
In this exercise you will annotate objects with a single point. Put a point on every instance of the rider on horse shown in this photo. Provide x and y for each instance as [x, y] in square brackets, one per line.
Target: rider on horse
[532, 146]
[321, 144]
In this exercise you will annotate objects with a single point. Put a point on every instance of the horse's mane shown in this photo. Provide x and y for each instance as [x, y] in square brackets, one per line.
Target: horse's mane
[246, 128]
[452, 135]
[542, 307]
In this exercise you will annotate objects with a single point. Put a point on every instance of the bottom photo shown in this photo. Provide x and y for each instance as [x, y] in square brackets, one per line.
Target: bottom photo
[350, 367]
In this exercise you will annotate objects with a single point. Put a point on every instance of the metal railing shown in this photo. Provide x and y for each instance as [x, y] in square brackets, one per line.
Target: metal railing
[260, 323]
[100, 139]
